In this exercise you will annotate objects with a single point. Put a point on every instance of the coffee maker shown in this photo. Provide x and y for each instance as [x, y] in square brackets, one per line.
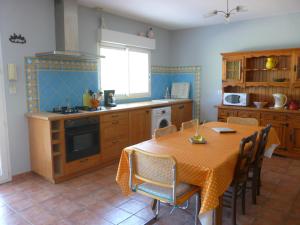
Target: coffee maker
[109, 98]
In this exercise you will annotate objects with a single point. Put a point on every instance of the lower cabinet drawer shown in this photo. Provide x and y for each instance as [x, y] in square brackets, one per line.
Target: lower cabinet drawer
[82, 164]
[273, 116]
[112, 149]
[248, 114]
[224, 113]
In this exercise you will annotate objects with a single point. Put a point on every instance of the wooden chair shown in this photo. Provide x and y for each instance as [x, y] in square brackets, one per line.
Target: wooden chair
[239, 183]
[189, 124]
[164, 131]
[257, 162]
[157, 176]
[243, 121]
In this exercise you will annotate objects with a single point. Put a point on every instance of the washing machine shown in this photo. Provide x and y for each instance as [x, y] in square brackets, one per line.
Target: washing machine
[161, 117]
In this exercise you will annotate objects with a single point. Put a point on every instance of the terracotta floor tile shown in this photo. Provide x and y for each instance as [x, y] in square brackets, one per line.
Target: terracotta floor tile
[13, 219]
[5, 211]
[101, 207]
[22, 204]
[133, 206]
[146, 214]
[95, 198]
[116, 216]
[133, 220]
[62, 206]
[39, 216]
[86, 217]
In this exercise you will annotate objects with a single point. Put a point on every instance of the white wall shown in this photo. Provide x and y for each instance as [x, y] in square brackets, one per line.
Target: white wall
[202, 46]
[34, 19]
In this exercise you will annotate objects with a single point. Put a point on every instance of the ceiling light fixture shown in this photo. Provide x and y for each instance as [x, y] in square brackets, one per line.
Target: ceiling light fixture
[228, 13]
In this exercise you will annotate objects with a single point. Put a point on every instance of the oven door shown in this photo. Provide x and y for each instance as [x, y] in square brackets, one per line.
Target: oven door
[82, 142]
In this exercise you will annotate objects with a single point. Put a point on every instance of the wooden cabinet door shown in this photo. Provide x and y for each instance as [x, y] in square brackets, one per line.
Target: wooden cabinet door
[297, 68]
[294, 136]
[139, 125]
[188, 112]
[181, 113]
[281, 128]
[224, 113]
[232, 69]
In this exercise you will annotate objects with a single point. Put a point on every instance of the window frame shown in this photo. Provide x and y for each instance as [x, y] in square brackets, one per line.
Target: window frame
[128, 48]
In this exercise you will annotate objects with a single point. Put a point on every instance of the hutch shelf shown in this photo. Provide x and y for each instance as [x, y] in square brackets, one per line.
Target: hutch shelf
[261, 74]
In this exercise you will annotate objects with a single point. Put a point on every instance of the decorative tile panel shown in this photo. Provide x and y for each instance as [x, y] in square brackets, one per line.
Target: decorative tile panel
[178, 74]
[35, 67]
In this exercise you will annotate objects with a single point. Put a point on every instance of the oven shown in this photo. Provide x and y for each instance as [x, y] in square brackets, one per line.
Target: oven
[82, 138]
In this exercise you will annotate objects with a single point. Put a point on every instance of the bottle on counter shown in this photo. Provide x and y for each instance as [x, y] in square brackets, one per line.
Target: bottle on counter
[86, 99]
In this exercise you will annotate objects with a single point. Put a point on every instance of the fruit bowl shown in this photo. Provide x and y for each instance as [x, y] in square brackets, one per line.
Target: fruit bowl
[260, 105]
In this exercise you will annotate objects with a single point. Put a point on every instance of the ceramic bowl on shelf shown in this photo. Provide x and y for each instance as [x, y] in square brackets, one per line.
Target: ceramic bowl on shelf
[260, 105]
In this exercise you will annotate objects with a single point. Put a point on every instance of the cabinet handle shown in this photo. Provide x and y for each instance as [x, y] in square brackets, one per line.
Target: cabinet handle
[114, 116]
[115, 122]
[115, 142]
[295, 68]
[293, 137]
[181, 107]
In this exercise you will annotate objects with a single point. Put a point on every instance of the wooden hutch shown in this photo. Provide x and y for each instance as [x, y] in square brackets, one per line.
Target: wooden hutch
[246, 72]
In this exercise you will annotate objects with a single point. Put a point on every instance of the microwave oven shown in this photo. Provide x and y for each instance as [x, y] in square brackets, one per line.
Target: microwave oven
[237, 99]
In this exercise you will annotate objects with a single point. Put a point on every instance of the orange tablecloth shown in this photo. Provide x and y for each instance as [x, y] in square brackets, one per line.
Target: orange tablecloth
[210, 166]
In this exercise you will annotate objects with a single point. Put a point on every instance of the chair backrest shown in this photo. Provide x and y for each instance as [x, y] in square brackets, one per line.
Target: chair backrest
[164, 131]
[243, 121]
[189, 124]
[246, 152]
[263, 138]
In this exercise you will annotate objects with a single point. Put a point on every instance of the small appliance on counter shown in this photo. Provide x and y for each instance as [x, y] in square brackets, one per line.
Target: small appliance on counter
[236, 99]
[280, 100]
[109, 98]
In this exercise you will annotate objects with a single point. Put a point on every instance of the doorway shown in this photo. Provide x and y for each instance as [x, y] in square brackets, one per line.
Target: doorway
[5, 170]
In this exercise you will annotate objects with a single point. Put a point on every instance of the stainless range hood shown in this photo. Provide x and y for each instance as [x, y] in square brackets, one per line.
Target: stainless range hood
[66, 33]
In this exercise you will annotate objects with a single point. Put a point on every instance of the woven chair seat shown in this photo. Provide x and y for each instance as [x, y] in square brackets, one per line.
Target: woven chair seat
[164, 193]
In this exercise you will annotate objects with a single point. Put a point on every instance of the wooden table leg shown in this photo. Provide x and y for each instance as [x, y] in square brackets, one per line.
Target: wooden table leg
[218, 212]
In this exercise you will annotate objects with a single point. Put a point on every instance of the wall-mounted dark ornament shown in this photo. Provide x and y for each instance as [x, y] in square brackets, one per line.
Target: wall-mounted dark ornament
[17, 39]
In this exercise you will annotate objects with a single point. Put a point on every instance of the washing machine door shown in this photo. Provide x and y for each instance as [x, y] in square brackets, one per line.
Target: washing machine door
[163, 122]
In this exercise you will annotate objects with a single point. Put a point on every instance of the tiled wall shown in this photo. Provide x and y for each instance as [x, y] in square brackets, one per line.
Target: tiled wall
[52, 83]
[59, 88]
[165, 76]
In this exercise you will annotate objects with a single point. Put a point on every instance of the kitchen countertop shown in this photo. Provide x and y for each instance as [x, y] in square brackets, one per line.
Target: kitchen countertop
[119, 107]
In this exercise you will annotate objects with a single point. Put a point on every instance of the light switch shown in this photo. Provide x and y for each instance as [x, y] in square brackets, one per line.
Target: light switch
[12, 72]
[13, 88]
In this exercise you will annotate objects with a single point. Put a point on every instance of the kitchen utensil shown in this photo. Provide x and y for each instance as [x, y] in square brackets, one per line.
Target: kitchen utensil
[280, 100]
[260, 105]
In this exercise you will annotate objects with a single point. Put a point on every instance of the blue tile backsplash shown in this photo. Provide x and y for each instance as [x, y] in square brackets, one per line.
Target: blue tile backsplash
[56, 88]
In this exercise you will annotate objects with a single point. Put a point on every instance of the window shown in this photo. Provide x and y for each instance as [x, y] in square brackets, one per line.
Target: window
[125, 70]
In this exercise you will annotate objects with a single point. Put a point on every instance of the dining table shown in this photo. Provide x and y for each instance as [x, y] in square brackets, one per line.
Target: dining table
[210, 166]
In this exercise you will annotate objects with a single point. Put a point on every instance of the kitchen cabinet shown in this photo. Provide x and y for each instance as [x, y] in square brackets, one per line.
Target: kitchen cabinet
[139, 125]
[294, 136]
[297, 68]
[119, 128]
[232, 69]
[281, 128]
[285, 122]
[114, 134]
[181, 113]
